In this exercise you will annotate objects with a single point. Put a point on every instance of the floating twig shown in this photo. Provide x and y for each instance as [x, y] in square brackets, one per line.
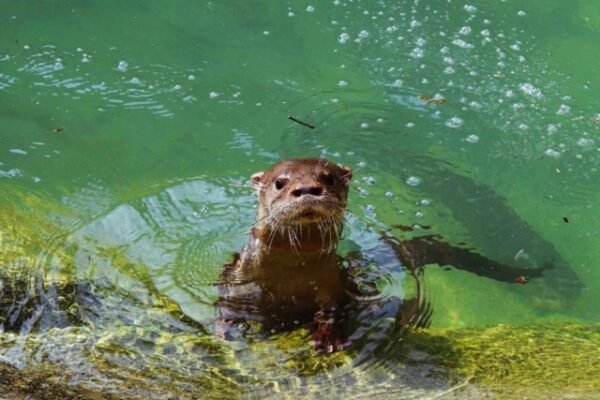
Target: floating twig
[296, 120]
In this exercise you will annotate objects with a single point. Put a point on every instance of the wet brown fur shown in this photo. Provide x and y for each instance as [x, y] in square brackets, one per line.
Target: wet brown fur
[289, 269]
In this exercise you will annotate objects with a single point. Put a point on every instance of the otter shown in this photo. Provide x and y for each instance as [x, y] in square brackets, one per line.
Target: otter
[289, 272]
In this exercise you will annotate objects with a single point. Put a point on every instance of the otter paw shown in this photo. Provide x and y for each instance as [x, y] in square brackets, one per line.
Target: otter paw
[328, 339]
[228, 329]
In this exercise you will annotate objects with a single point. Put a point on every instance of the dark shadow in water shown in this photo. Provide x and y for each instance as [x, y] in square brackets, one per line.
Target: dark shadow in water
[495, 229]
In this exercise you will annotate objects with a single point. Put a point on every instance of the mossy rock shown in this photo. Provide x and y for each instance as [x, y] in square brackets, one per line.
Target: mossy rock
[534, 362]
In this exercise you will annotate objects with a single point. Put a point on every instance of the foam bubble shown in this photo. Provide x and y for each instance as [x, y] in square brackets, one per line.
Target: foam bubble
[584, 142]
[18, 151]
[413, 181]
[530, 90]
[563, 109]
[454, 122]
[363, 34]
[462, 44]
[122, 66]
[552, 153]
[472, 139]
[417, 52]
[465, 30]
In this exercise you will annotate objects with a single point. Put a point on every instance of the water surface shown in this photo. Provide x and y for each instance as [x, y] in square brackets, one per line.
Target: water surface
[129, 130]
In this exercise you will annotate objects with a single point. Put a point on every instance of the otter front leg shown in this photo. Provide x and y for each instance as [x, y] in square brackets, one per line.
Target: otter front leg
[328, 335]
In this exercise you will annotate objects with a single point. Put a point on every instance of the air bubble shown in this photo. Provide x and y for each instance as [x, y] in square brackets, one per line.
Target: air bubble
[18, 151]
[530, 90]
[310, 9]
[472, 139]
[563, 109]
[413, 181]
[364, 125]
[585, 142]
[214, 95]
[465, 30]
[363, 34]
[552, 153]
[454, 122]
[342, 83]
[449, 70]
[462, 44]
[122, 66]
[417, 52]
[344, 37]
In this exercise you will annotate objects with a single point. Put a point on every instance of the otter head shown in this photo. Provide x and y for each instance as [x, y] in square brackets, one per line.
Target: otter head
[302, 195]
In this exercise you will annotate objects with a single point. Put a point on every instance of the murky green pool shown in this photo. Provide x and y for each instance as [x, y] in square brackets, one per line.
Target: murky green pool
[128, 131]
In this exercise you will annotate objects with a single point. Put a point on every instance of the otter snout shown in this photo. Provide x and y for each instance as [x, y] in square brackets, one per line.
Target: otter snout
[303, 189]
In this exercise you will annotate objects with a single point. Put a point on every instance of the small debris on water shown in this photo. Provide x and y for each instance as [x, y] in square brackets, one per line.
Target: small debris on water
[522, 280]
[566, 219]
[519, 253]
[58, 130]
[296, 120]
[437, 100]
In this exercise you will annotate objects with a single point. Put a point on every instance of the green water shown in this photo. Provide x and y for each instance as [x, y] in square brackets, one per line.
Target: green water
[128, 131]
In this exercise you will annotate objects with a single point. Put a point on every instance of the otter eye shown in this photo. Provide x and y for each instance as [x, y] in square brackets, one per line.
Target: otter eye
[280, 183]
[328, 179]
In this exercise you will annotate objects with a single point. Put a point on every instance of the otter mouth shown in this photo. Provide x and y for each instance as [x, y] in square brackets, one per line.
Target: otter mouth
[309, 214]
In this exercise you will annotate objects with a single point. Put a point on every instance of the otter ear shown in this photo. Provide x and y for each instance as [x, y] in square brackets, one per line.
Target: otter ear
[257, 179]
[346, 173]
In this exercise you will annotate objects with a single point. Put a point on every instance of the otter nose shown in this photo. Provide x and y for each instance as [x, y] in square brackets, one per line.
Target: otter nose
[301, 190]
